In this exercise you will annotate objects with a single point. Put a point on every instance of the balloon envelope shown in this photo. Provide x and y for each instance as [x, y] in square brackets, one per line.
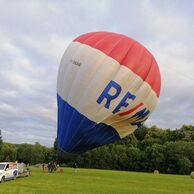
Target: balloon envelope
[108, 85]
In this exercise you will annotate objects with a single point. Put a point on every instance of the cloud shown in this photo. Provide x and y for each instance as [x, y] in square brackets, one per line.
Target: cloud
[34, 35]
[28, 97]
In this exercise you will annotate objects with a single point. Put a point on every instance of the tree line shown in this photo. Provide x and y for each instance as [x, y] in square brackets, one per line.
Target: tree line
[145, 150]
[26, 153]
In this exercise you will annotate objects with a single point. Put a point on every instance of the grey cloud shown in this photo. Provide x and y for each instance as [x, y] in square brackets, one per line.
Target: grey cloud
[34, 35]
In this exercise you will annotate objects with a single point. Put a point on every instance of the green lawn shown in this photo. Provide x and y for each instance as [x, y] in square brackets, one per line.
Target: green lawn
[87, 181]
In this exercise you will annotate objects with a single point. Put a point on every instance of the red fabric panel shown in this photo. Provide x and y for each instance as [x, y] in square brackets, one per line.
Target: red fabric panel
[127, 52]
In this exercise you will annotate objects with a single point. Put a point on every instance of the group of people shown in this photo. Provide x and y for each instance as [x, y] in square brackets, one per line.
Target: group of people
[50, 167]
[53, 166]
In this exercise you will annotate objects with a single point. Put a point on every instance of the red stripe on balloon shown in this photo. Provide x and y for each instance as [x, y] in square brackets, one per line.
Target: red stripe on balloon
[127, 52]
[131, 110]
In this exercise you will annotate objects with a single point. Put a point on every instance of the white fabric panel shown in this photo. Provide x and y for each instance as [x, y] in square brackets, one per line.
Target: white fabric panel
[87, 71]
[68, 69]
[124, 128]
[84, 75]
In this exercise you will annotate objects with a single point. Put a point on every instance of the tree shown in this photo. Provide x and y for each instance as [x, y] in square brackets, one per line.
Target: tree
[154, 158]
[153, 136]
[33, 154]
[1, 141]
[178, 157]
[37, 154]
[147, 149]
[24, 153]
[8, 152]
[55, 150]
[130, 140]
[133, 159]
[185, 165]
[141, 132]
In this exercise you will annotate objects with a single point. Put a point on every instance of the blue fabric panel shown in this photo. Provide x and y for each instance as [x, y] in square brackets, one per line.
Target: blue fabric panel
[77, 134]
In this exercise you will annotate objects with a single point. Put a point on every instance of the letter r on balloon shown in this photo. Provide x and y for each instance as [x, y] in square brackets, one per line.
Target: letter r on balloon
[111, 92]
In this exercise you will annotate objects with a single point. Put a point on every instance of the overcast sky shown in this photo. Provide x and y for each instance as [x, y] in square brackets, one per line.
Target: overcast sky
[35, 33]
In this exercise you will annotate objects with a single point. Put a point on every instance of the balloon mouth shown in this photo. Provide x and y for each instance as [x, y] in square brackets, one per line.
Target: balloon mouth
[63, 155]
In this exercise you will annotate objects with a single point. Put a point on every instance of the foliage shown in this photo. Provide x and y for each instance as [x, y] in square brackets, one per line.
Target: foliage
[147, 149]
[8, 152]
[1, 141]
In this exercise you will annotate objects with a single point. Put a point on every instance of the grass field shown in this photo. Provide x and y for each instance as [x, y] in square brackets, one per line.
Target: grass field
[88, 181]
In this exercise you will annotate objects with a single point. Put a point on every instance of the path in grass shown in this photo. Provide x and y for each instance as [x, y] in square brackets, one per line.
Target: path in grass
[88, 181]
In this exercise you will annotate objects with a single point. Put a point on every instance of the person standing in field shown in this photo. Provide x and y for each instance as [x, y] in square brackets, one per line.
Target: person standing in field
[75, 167]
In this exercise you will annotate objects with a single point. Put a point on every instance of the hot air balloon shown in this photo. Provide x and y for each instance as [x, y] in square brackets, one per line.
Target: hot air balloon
[108, 85]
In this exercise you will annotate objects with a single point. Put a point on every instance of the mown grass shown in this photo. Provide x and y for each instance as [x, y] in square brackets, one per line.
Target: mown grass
[89, 181]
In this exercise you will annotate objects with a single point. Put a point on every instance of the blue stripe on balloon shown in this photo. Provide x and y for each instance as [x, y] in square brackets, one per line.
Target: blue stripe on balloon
[77, 134]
